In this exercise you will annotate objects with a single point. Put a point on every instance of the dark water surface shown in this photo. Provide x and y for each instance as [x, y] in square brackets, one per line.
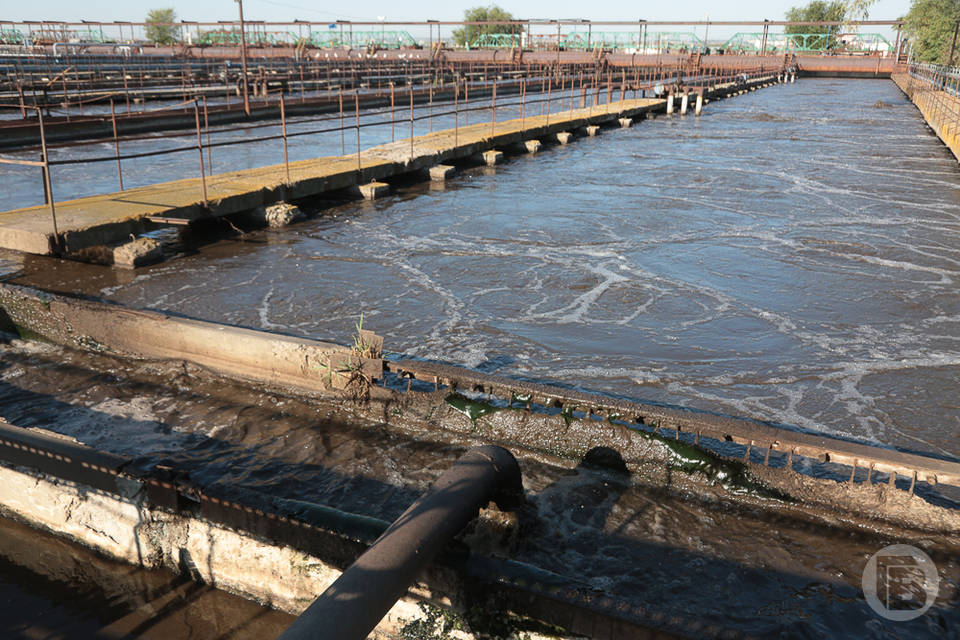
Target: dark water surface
[52, 589]
[792, 255]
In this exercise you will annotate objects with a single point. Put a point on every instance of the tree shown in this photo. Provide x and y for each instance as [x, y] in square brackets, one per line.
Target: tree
[858, 9]
[817, 11]
[159, 27]
[930, 24]
[468, 34]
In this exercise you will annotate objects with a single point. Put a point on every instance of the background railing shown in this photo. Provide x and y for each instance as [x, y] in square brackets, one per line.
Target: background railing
[546, 91]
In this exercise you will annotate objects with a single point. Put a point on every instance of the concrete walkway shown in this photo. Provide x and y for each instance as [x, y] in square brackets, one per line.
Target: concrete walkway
[113, 217]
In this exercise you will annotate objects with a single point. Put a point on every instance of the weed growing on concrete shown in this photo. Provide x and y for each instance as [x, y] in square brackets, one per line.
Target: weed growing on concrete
[360, 345]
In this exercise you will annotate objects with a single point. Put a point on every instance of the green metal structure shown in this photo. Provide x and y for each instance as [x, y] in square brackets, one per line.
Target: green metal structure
[807, 42]
[88, 35]
[11, 36]
[361, 39]
[495, 41]
[639, 40]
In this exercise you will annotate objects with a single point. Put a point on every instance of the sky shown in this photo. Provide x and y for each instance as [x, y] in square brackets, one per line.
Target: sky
[285, 10]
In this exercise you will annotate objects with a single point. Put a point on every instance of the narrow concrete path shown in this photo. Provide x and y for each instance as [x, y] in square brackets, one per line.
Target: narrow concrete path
[111, 217]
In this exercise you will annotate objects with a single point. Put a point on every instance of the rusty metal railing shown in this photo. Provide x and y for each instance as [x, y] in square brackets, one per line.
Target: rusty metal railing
[935, 89]
[557, 88]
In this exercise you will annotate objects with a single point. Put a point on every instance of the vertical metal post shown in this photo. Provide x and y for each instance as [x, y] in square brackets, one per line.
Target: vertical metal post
[456, 111]
[466, 100]
[411, 120]
[243, 60]
[23, 107]
[66, 96]
[203, 171]
[523, 100]
[343, 136]
[356, 108]
[48, 182]
[431, 106]
[543, 90]
[549, 95]
[493, 114]
[563, 86]
[206, 129]
[393, 114]
[116, 143]
[126, 88]
[283, 129]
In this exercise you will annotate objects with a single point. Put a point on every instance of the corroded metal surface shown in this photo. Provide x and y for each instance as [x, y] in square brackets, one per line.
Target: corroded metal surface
[751, 434]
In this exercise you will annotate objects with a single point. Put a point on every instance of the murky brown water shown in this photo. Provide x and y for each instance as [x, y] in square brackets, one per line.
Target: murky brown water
[55, 590]
[791, 256]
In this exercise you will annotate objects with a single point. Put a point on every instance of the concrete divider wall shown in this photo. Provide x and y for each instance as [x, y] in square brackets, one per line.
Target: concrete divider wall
[258, 356]
[127, 529]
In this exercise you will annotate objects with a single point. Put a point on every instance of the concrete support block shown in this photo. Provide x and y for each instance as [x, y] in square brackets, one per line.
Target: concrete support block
[625, 122]
[374, 190]
[137, 253]
[492, 157]
[698, 109]
[684, 102]
[670, 104]
[442, 172]
[532, 146]
[564, 137]
[593, 130]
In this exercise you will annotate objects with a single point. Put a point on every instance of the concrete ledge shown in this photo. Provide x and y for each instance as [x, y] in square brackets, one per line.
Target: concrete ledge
[625, 123]
[492, 157]
[564, 137]
[592, 130]
[374, 190]
[231, 351]
[442, 172]
[532, 146]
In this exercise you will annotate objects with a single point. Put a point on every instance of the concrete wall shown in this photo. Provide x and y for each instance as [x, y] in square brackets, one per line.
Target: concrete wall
[127, 529]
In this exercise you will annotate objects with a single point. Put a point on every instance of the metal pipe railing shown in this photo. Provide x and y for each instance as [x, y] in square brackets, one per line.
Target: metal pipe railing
[353, 605]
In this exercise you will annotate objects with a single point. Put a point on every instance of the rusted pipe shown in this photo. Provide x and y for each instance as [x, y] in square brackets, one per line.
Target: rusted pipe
[353, 605]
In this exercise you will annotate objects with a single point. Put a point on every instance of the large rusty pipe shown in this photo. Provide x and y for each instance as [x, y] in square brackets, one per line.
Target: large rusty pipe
[353, 605]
